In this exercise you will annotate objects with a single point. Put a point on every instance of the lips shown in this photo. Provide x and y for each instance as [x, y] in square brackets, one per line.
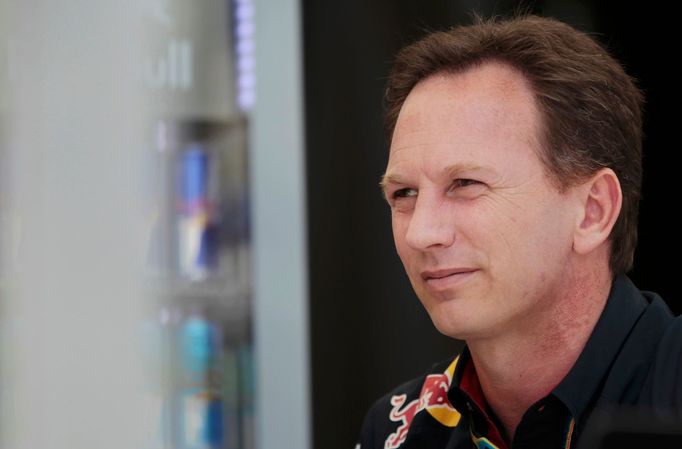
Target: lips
[443, 273]
[442, 279]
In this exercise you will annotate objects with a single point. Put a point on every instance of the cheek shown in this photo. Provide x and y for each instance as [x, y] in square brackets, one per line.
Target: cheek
[493, 226]
[507, 233]
[400, 223]
[535, 240]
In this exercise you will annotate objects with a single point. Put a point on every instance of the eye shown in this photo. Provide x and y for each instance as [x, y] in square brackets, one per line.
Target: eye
[464, 182]
[404, 193]
[465, 188]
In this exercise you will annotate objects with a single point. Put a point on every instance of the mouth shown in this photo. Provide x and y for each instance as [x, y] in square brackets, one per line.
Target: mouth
[443, 279]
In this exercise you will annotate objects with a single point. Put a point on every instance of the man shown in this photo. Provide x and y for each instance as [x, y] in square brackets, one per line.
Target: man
[514, 179]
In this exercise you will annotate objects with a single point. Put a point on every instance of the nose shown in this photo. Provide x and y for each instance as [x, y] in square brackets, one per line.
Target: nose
[430, 225]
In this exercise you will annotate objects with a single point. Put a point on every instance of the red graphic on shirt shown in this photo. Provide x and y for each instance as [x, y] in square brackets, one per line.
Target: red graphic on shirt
[434, 394]
[405, 416]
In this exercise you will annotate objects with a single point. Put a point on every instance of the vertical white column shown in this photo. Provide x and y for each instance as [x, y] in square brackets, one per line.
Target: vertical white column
[279, 230]
[71, 375]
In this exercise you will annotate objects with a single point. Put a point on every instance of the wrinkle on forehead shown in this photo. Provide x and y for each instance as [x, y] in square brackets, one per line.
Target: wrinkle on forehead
[473, 98]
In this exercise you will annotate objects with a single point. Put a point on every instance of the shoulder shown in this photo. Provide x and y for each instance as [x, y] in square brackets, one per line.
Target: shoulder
[668, 361]
[671, 342]
[665, 377]
[395, 409]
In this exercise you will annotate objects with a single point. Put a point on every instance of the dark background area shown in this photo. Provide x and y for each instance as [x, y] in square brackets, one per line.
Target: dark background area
[369, 332]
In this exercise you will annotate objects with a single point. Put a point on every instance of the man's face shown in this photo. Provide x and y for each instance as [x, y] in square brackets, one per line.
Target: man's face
[484, 236]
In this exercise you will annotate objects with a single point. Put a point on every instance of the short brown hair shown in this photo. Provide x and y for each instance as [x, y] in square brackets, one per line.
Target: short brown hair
[591, 109]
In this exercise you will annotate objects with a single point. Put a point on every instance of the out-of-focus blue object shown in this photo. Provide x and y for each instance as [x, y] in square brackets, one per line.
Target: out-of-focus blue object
[199, 345]
[197, 234]
[200, 402]
[195, 176]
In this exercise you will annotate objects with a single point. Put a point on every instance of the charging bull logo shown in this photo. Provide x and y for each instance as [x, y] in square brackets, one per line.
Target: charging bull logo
[433, 398]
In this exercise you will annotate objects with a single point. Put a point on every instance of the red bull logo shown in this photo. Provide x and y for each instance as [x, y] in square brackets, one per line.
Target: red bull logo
[433, 398]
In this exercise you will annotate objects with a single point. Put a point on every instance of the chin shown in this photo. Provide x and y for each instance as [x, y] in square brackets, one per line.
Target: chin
[453, 327]
[461, 319]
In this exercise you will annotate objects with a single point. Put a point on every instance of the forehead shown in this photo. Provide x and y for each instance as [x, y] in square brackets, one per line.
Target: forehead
[486, 112]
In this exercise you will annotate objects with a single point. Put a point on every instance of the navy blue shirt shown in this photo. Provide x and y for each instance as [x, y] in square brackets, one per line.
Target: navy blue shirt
[632, 360]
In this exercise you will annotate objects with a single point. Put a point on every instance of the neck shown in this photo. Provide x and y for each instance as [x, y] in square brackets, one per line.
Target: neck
[522, 366]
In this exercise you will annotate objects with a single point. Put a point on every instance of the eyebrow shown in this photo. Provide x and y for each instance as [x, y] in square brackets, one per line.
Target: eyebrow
[451, 170]
[390, 178]
[456, 169]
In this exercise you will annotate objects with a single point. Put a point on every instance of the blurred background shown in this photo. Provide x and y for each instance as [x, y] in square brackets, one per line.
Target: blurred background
[194, 251]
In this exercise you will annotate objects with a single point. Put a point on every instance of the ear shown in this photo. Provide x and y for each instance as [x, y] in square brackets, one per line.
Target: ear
[600, 202]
